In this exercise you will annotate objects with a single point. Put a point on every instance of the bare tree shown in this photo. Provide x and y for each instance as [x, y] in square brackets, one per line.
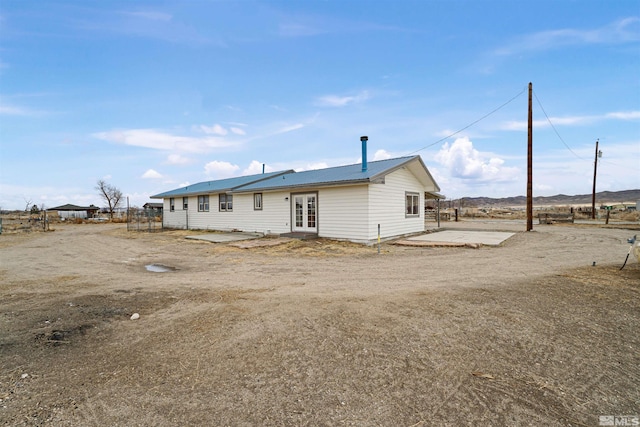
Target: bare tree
[28, 202]
[110, 194]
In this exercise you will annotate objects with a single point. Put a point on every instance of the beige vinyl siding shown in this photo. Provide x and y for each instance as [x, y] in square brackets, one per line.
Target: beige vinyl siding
[275, 215]
[387, 203]
[177, 218]
[273, 218]
[213, 219]
[342, 212]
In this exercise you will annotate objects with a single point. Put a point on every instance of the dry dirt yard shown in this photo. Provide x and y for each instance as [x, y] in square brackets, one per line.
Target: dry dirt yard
[317, 332]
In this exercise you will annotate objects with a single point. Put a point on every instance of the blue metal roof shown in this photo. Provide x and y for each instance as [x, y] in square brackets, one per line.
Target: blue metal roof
[218, 186]
[339, 175]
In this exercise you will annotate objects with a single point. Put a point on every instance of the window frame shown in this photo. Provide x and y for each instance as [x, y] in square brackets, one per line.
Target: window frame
[185, 203]
[203, 203]
[172, 204]
[257, 201]
[225, 202]
[411, 204]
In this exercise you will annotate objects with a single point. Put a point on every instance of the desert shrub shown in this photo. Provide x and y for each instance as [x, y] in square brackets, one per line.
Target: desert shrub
[475, 214]
[630, 216]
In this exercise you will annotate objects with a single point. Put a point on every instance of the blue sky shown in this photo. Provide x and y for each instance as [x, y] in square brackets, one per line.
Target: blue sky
[153, 95]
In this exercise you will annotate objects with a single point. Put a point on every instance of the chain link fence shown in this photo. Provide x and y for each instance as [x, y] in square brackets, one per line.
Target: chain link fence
[147, 220]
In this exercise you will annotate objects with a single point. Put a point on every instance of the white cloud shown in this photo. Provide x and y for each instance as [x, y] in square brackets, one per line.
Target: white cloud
[521, 125]
[312, 166]
[150, 15]
[621, 31]
[301, 25]
[542, 188]
[624, 115]
[14, 197]
[298, 30]
[151, 174]
[341, 101]
[158, 140]
[215, 130]
[256, 168]
[445, 133]
[465, 162]
[381, 155]
[149, 24]
[289, 128]
[11, 111]
[237, 131]
[220, 169]
[177, 159]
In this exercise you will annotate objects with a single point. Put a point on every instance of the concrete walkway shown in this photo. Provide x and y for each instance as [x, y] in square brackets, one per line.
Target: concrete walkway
[232, 236]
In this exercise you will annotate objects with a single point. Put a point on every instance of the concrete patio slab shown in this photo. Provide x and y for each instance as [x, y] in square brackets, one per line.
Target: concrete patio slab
[459, 237]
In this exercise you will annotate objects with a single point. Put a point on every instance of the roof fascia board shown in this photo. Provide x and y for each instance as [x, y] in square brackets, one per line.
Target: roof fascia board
[405, 163]
[437, 187]
[393, 169]
[307, 185]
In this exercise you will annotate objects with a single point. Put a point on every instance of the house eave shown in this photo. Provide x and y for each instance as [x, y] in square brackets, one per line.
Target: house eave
[306, 185]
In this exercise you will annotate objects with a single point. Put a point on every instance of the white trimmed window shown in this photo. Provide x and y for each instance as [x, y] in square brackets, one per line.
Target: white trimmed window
[203, 203]
[257, 201]
[412, 204]
[185, 203]
[226, 202]
[172, 204]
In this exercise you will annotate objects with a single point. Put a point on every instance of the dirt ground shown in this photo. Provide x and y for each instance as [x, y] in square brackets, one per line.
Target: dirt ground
[318, 332]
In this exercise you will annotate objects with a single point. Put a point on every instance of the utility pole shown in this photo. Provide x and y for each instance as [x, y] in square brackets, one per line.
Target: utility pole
[530, 163]
[595, 170]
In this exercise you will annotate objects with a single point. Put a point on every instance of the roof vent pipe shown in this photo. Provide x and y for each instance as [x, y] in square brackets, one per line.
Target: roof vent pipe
[364, 140]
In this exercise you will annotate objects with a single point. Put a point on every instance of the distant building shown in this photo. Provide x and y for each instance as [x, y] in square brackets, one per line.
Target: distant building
[156, 208]
[75, 211]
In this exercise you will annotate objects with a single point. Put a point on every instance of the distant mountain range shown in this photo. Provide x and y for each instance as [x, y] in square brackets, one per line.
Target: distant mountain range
[603, 197]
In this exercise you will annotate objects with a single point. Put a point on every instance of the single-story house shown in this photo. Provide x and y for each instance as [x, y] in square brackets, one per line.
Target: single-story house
[75, 211]
[346, 202]
[153, 207]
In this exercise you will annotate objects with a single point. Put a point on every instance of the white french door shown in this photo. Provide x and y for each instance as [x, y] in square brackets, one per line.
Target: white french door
[305, 213]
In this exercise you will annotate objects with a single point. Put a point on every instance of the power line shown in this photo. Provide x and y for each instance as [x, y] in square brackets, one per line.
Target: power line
[471, 124]
[554, 128]
[610, 163]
